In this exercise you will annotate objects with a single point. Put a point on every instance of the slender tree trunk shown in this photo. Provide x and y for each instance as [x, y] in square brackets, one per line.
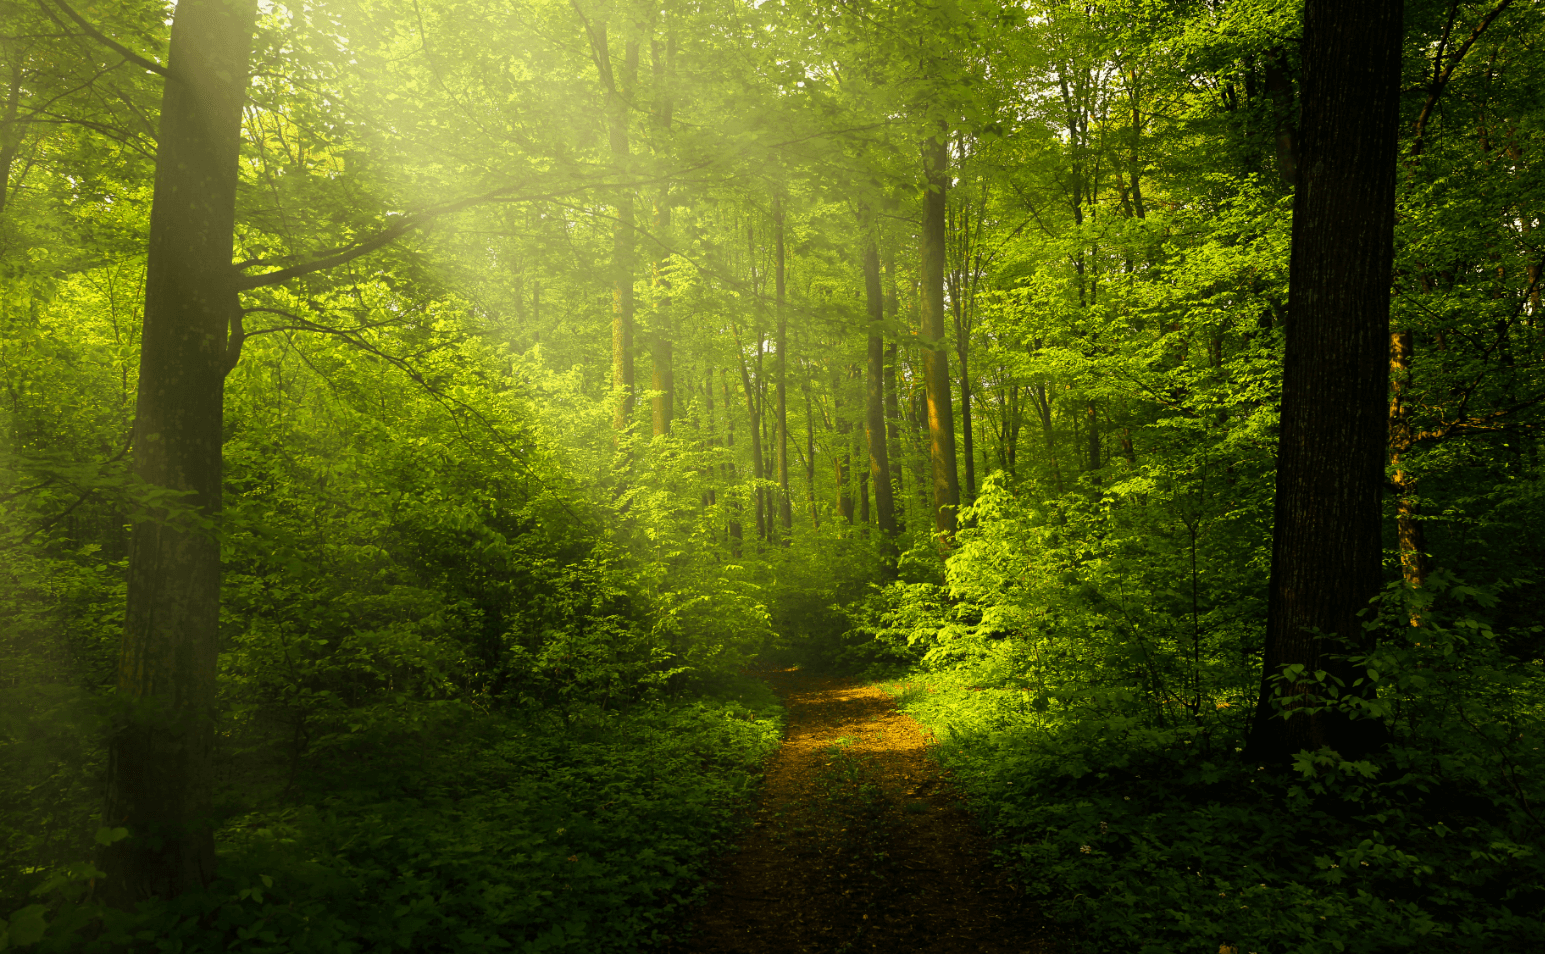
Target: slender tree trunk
[618, 94]
[1414, 565]
[844, 455]
[1326, 550]
[874, 393]
[10, 131]
[1043, 411]
[1092, 417]
[967, 447]
[753, 412]
[815, 519]
[711, 428]
[780, 368]
[729, 466]
[160, 753]
[892, 398]
[664, 376]
[936, 371]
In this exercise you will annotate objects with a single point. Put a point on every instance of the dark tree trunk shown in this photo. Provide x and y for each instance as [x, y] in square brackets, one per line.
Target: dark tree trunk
[815, 516]
[844, 443]
[874, 392]
[753, 412]
[1326, 553]
[1043, 410]
[10, 131]
[729, 466]
[1414, 563]
[664, 376]
[892, 398]
[618, 92]
[936, 369]
[159, 763]
[1092, 416]
[780, 369]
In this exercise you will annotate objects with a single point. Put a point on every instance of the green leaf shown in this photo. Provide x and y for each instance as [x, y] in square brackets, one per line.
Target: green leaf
[106, 836]
[25, 928]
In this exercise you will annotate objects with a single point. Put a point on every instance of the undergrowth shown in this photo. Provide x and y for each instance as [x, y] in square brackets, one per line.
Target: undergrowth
[1161, 841]
[524, 831]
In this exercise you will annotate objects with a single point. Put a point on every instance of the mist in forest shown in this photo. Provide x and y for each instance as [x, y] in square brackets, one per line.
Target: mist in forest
[700, 476]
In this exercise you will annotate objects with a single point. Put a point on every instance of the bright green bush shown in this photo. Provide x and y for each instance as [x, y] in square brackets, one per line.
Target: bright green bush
[1158, 838]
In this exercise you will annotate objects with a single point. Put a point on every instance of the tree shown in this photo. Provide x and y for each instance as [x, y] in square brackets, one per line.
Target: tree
[159, 769]
[781, 363]
[1326, 549]
[874, 390]
[936, 371]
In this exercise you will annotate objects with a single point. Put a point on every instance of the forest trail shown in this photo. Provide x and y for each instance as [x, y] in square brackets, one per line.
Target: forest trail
[859, 844]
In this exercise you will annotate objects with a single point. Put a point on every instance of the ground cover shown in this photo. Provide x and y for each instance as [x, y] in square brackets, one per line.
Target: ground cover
[518, 832]
[1161, 842]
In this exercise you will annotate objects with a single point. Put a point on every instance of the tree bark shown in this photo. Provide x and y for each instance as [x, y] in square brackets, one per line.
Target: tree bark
[815, 516]
[1326, 551]
[844, 454]
[1414, 566]
[892, 398]
[159, 763]
[874, 393]
[618, 93]
[780, 368]
[663, 377]
[1092, 416]
[10, 131]
[729, 466]
[936, 371]
[758, 464]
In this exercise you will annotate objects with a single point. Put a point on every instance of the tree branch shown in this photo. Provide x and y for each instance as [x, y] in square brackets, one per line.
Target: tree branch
[103, 38]
[1441, 78]
[405, 225]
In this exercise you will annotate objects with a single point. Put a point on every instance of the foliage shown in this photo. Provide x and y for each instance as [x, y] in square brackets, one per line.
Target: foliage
[479, 597]
[1158, 838]
[523, 832]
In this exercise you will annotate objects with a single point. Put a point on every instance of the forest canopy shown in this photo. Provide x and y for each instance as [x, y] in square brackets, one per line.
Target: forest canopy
[422, 420]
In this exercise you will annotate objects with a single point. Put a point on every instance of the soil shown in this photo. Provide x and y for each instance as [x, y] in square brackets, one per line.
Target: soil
[860, 844]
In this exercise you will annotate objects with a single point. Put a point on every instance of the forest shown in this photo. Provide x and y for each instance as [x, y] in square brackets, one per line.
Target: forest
[772, 476]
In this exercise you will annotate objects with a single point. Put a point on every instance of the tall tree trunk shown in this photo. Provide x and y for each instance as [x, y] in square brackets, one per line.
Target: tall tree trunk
[1092, 417]
[1043, 411]
[159, 762]
[729, 465]
[967, 447]
[663, 381]
[815, 518]
[780, 368]
[844, 455]
[10, 131]
[892, 396]
[1414, 565]
[711, 428]
[1326, 552]
[936, 370]
[753, 412]
[874, 393]
[618, 94]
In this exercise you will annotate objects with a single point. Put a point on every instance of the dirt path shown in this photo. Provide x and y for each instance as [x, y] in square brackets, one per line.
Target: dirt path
[859, 845]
